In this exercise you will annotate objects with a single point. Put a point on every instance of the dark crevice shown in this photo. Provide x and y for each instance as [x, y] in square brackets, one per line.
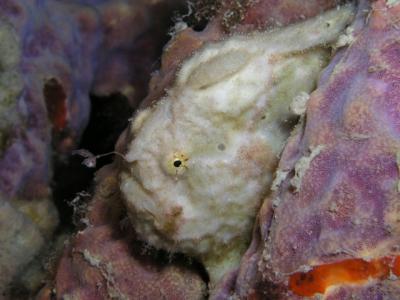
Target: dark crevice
[109, 117]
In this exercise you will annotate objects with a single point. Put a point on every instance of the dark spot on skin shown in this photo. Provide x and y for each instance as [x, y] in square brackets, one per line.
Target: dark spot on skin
[177, 163]
[221, 147]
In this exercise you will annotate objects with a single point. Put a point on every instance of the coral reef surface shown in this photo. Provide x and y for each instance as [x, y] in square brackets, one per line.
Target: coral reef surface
[53, 54]
[330, 228]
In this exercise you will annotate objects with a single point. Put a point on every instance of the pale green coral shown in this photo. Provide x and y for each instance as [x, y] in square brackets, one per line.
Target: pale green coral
[20, 241]
[42, 212]
[25, 227]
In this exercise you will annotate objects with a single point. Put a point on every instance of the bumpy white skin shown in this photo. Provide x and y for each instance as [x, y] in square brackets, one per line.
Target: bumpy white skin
[203, 157]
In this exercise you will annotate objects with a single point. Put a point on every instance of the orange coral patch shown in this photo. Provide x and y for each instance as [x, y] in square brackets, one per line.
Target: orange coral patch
[350, 271]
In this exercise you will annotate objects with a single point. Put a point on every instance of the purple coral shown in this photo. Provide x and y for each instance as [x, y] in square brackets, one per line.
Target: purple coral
[347, 199]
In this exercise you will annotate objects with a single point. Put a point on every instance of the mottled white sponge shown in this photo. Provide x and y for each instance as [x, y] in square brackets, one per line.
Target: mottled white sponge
[201, 160]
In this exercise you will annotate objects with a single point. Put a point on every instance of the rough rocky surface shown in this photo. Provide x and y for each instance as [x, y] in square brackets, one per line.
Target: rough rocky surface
[105, 261]
[342, 201]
